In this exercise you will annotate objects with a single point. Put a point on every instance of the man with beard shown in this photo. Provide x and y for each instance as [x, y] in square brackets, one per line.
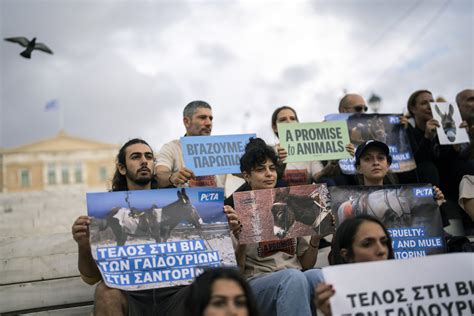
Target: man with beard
[170, 168]
[134, 171]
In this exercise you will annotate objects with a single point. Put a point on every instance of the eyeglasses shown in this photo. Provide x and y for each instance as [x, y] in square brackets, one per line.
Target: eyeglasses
[360, 108]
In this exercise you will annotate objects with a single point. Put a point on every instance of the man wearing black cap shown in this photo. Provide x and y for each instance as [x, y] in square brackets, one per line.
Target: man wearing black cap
[373, 161]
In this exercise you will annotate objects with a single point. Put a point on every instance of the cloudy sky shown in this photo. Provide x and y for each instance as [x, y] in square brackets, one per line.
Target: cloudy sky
[124, 69]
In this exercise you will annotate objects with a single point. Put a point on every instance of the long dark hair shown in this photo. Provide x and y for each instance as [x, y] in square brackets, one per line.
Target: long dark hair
[344, 237]
[201, 290]
[119, 181]
[412, 100]
[278, 110]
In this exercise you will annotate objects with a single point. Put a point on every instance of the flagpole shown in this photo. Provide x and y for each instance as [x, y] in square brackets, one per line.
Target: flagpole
[61, 117]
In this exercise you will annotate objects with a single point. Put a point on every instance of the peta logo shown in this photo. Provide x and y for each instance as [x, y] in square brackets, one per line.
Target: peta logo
[210, 197]
[423, 192]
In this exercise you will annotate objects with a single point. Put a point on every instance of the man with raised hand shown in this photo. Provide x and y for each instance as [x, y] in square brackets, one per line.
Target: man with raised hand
[170, 168]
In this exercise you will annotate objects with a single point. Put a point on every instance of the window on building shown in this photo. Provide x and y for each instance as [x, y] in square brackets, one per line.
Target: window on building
[78, 172]
[25, 178]
[51, 173]
[65, 173]
[103, 173]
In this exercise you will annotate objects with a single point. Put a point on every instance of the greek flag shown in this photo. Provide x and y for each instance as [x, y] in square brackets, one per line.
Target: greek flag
[52, 105]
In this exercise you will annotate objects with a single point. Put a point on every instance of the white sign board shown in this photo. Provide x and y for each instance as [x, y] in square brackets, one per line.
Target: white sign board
[433, 285]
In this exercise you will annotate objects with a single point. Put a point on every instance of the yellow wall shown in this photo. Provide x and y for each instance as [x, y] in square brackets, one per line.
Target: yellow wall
[13, 170]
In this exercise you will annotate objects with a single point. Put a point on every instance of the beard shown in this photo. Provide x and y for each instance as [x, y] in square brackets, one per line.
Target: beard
[138, 178]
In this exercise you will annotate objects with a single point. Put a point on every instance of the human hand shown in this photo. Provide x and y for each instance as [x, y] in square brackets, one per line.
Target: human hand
[403, 121]
[438, 196]
[233, 220]
[430, 128]
[321, 298]
[281, 152]
[350, 149]
[80, 230]
[182, 176]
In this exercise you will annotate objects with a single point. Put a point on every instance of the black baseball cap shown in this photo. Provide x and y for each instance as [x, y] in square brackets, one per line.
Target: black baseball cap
[372, 143]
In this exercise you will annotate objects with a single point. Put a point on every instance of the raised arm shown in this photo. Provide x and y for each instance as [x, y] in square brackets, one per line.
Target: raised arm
[86, 264]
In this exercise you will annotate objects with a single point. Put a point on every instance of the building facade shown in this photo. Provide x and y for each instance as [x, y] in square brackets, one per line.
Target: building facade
[61, 162]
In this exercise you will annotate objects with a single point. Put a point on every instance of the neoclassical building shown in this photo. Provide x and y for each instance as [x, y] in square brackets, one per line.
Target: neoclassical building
[60, 162]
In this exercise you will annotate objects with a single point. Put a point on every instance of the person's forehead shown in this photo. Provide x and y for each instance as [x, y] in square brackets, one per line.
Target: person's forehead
[285, 112]
[368, 228]
[202, 111]
[267, 162]
[355, 100]
[425, 96]
[138, 148]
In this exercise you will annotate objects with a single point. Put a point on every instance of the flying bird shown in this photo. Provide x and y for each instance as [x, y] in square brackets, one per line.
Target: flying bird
[30, 45]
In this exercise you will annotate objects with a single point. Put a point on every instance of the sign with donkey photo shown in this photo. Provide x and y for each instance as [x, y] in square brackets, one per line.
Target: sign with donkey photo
[449, 119]
[281, 213]
[158, 238]
[385, 128]
[409, 212]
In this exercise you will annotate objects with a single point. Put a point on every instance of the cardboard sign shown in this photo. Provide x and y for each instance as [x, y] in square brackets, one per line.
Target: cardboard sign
[158, 238]
[435, 285]
[266, 214]
[409, 212]
[385, 128]
[449, 118]
[314, 141]
[211, 155]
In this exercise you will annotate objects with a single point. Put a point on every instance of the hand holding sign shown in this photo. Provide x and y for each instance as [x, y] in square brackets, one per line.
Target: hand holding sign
[182, 176]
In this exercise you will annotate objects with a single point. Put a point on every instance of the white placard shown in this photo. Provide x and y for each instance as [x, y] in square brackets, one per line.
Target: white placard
[433, 285]
[449, 118]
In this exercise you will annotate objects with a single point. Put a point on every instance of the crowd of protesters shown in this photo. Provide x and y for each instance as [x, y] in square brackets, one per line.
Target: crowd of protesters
[284, 281]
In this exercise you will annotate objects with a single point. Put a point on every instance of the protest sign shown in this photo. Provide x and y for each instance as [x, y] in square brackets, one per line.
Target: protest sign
[449, 120]
[158, 238]
[314, 141]
[435, 285]
[409, 212]
[275, 214]
[382, 127]
[211, 155]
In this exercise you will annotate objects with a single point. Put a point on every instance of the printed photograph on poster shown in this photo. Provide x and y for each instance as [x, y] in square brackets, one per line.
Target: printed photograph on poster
[158, 238]
[449, 118]
[385, 128]
[434, 285]
[409, 212]
[211, 155]
[281, 213]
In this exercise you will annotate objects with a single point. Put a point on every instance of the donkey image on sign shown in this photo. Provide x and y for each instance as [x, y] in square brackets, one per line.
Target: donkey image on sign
[447, 122]
[310, 210]
[156, 223]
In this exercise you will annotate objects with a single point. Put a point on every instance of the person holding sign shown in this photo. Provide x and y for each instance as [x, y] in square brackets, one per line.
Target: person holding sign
[279, 272]
[134, 171]
[373, 163]
[442, 165]
[362, 238]
[170, 168]
[297, 173]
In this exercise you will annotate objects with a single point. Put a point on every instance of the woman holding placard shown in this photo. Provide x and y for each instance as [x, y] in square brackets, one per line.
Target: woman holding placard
[279, 272]
[299, 173]
[362, 238]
